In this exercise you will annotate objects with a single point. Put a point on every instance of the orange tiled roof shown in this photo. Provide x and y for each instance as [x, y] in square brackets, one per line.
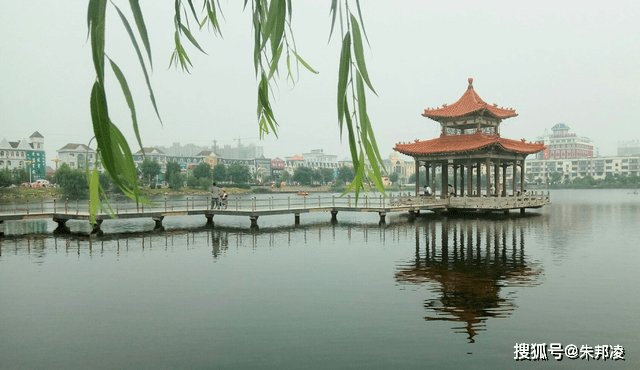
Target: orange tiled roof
[465, 143]
[296, 158]
[469, 103]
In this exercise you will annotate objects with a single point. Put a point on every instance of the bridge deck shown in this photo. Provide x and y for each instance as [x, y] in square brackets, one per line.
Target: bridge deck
[254, 207]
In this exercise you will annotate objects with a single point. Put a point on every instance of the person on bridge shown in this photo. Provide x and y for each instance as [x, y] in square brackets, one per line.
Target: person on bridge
[215, 196]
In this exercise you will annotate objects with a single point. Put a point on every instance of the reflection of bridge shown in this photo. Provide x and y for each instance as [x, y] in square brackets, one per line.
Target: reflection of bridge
[475, 261]
[61, 212]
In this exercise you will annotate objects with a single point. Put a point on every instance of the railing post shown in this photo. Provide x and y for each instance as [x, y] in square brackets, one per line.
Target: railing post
[366, 201]
[289, 202]
[187, 203]
[117, 211]
[142, 204]
[384, 202]
[333, 200]
[305, 202]
[319, 204]
[253, 206]
[77, 206]
[165, 204]
[236, 203]
[27, 206]
[54, 205]
[42, 205]
[349, 200]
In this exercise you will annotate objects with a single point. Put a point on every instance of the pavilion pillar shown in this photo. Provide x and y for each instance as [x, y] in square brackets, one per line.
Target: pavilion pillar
[462, 180]
[455, 180]
[433, 178]
[513, 176]
[469, 178]
[478, 178]
[417, 177]
[488, 176]
[426, 168]
[496, 177]
[504, 180]
[522, 176]
[445, 180]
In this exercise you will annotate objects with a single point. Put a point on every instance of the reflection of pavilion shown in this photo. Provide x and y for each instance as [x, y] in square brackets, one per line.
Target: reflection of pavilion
[474, 263]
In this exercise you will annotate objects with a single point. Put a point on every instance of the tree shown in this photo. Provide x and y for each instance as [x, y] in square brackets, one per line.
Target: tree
[556, 177]
[327, 175]
[5, 178]
[220, 172]
[285, 177]
[202, 171]
[394, 177]
[149, 169]
[173, 175]
[346, 174]
[239, 173]
[302, 175]
[73, 182]
[273, 37]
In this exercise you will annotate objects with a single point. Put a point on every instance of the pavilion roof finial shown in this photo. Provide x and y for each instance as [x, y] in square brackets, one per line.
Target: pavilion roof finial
[470, 84]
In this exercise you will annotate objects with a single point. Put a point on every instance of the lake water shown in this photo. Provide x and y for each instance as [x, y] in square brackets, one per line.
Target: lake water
[434, 292]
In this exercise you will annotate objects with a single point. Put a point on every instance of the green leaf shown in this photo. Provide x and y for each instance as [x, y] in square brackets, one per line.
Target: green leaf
[333, 12]
[274, 62]
[278, 30]
[193, 10]
[304, 63]
[127, 94]
[94, 201]
[144, 68]
[185, 30]
[142, 29]
[96, 21]
[343, 76]
[358, 50]
[362, 22]
[352, 137]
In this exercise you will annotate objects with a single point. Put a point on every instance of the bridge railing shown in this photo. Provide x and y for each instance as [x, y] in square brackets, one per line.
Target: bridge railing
[276, 203]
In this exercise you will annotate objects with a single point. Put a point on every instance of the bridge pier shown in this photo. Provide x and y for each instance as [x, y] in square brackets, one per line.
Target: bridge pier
[96, 228]
[254, 221]
[210, 222]
[158, 226]
[506, 211]
[383, 215]
[296, 218]
[521, 211]
[1, 230]
[334, 216]
[62, 226]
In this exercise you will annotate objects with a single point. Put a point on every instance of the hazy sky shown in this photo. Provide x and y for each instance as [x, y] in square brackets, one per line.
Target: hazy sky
[574, 62]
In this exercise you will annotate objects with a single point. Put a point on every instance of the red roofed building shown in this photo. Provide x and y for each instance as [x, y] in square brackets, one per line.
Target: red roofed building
[469, 144]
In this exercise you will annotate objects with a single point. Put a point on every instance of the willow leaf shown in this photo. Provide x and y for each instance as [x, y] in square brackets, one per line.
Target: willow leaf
[358, 50]
[333, 12]
[144, 67]
[96, 20]
[352, 137]
[343, 76]
[362, 99]
[127, 94]
[278, 30]
[304, 63]
[142, 29]
[274, 62]
[362, 22]
[185, 30]
[94, 202]
[193, 10]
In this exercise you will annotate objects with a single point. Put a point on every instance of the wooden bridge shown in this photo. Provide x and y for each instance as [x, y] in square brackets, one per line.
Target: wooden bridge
[65, 210]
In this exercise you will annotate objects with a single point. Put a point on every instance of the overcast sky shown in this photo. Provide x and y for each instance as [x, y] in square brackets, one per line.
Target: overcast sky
[574, 62]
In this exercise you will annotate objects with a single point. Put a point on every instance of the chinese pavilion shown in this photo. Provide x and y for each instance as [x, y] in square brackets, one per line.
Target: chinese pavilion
[470, 139]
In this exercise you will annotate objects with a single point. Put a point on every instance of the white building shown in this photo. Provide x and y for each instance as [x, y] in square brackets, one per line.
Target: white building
[570, 169]
[77, 156]
[318, 159]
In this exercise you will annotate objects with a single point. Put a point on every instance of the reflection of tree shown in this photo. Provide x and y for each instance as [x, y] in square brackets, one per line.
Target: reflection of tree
[474, 263]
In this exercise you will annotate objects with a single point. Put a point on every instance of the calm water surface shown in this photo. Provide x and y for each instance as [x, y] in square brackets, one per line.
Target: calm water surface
[434, 292]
